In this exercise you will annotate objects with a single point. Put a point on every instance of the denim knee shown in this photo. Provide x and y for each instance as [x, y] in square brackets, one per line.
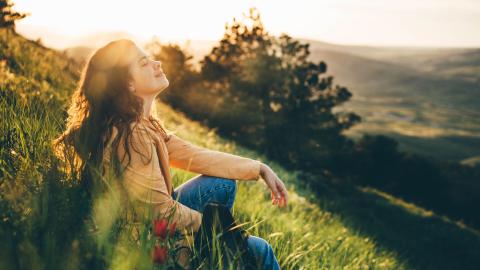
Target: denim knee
[230, 186]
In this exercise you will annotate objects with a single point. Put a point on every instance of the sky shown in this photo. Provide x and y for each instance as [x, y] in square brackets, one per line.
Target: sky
[417, 23]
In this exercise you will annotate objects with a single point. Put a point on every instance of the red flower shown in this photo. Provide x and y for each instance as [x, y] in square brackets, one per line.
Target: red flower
[160, 227]
[160, 254]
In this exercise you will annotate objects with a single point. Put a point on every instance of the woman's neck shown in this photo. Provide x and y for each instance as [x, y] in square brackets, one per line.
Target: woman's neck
[147, 106]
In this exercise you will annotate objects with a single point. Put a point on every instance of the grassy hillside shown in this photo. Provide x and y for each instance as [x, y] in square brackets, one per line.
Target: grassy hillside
[327, 226]
[343, 227]
[39, 70]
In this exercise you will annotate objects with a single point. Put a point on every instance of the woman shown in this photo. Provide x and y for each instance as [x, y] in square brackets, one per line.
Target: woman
[111, 125]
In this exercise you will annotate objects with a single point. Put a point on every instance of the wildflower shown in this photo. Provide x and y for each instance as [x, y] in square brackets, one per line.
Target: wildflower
[160, 254]
[160, 227]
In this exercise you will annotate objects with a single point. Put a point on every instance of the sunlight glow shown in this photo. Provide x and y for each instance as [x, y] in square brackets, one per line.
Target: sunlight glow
[440, 23]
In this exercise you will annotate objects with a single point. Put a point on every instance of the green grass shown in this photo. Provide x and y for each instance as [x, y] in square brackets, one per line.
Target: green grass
[338, 226]
[303, 235]
[327, 225]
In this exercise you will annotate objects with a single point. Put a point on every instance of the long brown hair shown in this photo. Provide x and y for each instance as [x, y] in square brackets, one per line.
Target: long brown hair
[101, 102]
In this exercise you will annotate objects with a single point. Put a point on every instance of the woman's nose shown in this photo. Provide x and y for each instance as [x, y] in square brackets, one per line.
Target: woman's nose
[158, 64]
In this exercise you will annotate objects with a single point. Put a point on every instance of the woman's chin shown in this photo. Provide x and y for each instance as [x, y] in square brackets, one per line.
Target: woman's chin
[164, 80]
[163, 85]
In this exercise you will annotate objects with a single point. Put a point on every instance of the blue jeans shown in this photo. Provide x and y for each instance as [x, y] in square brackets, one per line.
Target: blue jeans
[202, 189]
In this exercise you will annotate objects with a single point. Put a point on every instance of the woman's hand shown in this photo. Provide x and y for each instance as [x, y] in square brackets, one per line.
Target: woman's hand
[278, 191]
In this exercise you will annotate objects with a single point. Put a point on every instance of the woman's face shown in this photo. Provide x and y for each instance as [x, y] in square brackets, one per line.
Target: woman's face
[148, 78]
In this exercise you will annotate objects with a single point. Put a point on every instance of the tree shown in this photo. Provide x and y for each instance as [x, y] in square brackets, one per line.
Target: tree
[8, 16]
[177, 65]
[293, 100]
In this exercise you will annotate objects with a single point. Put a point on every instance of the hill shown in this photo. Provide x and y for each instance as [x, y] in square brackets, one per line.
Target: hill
[453, 63]
[426, 113]
[331, 225]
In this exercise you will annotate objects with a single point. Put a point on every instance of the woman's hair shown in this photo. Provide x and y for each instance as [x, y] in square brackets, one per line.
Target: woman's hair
[102, 101]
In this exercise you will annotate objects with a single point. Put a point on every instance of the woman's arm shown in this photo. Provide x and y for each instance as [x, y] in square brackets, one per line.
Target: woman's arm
[191, 157]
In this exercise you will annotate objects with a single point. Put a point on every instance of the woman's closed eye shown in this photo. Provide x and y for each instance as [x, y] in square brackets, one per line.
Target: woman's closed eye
[145, 61]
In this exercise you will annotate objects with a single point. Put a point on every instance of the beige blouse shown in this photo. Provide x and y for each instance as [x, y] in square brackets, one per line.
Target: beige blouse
[148, 179]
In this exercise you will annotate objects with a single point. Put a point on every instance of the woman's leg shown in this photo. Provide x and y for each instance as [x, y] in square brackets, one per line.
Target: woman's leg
[263, 252]
[202, 189]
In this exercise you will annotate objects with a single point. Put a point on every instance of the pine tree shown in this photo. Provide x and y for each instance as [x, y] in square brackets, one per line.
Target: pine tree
[8, 16]
[293, 97]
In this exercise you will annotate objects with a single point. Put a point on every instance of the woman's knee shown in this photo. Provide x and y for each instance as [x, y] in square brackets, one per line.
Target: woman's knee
[222, 190]
[230, 184]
